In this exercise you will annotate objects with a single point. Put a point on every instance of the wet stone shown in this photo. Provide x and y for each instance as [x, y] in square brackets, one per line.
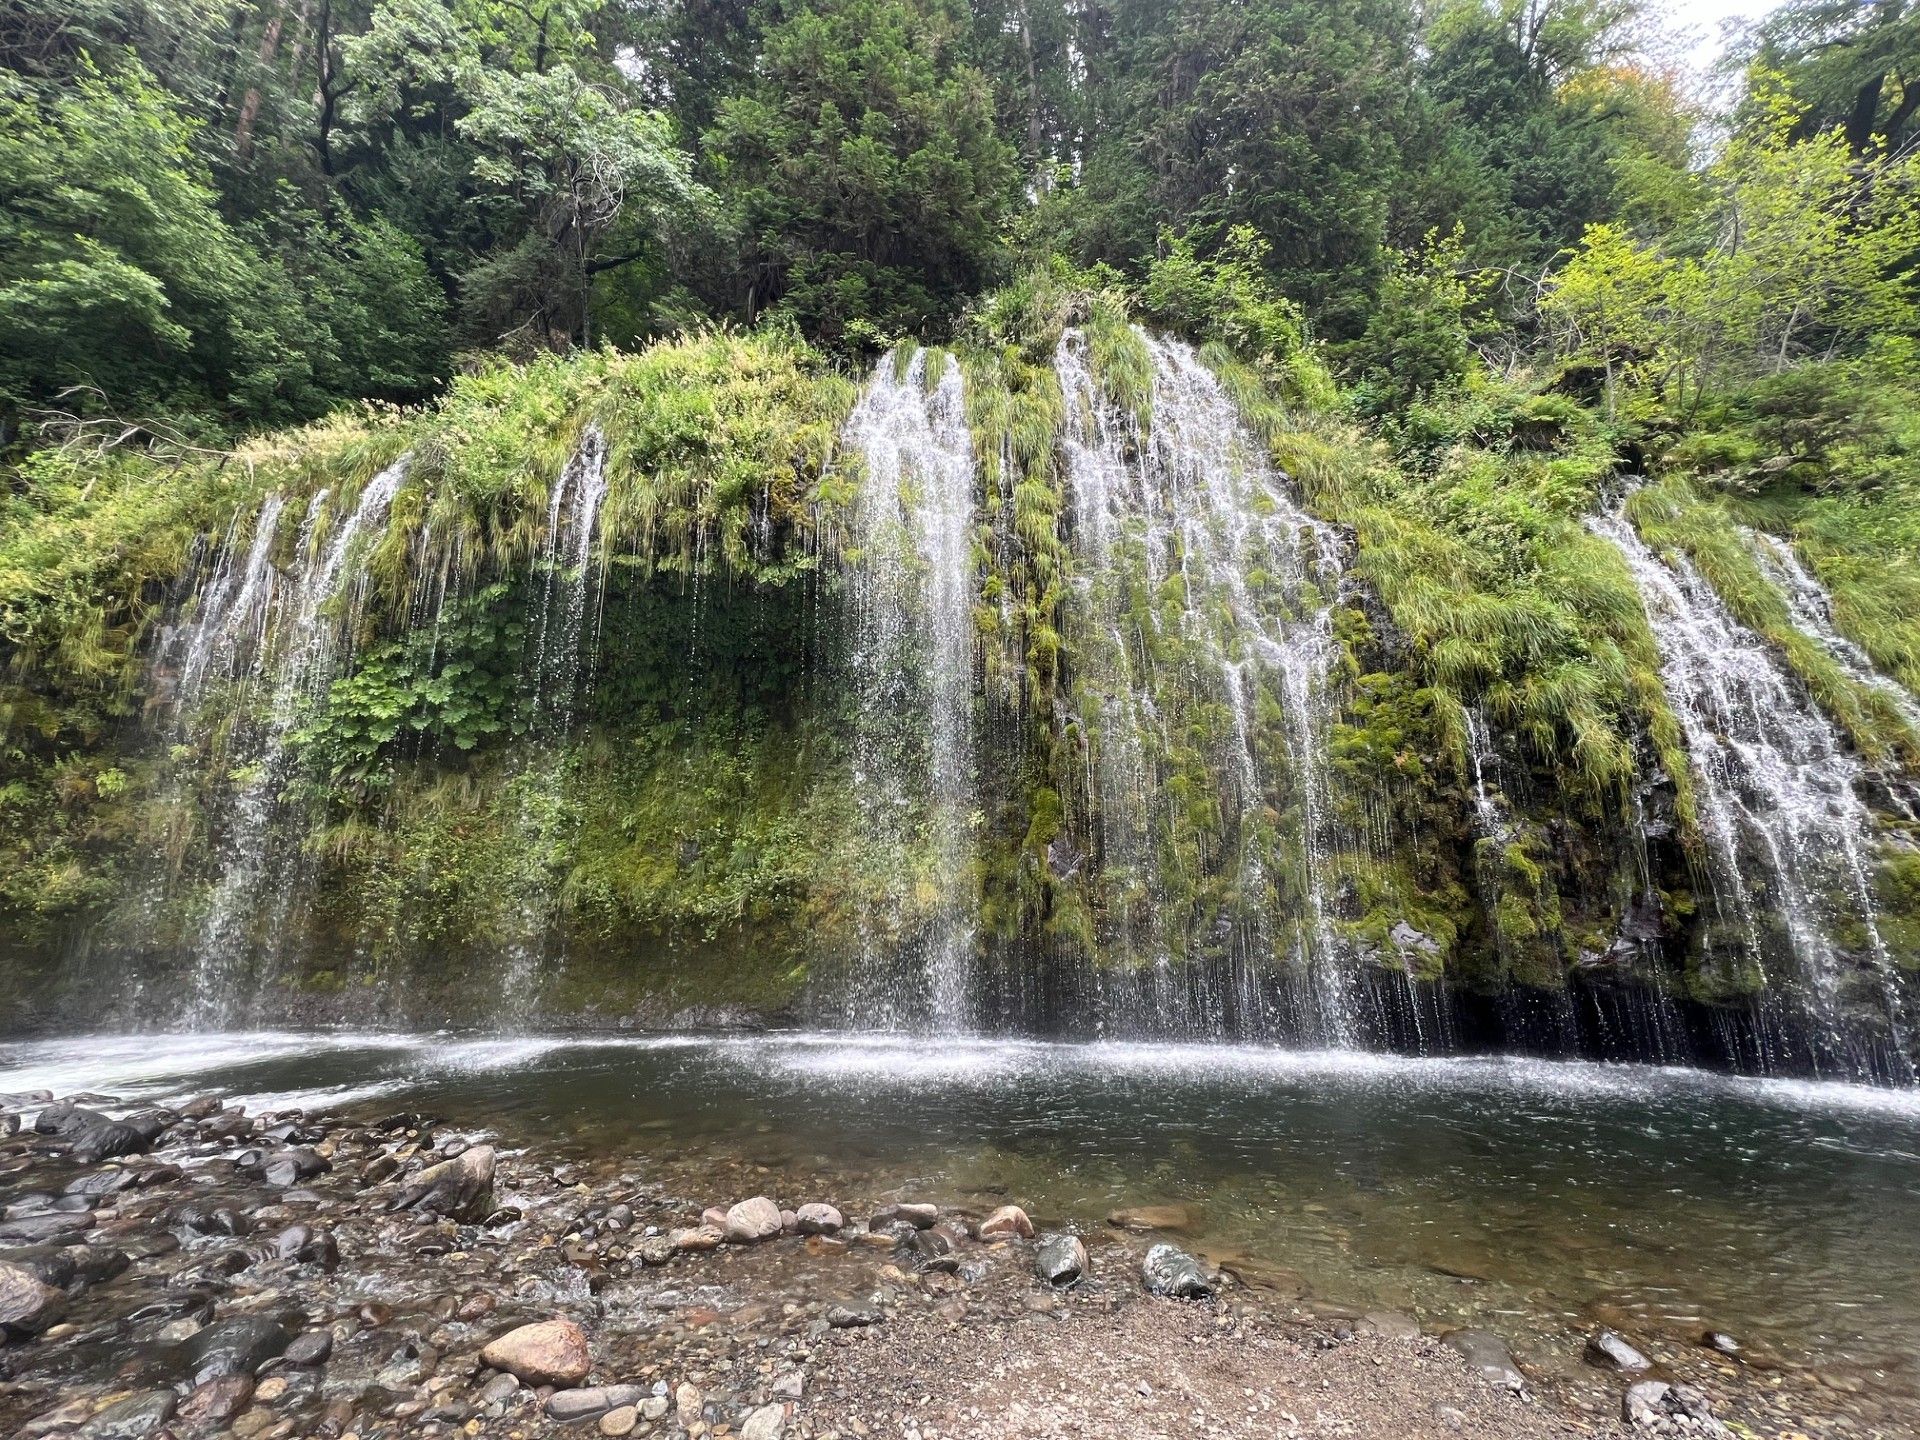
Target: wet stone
[753, 1220]
[239, 1345]
[852, 1317]
[587, 1404]
[818, 1219]
[1009, 1222]
[1061, 1260]
[1611, 1351]
[131, 1419]
[28, 1305]
[217, 1401]
[1170, 1271]
[920, 1216]
[1488, 1354]
[548, 1352]
[312, 1348]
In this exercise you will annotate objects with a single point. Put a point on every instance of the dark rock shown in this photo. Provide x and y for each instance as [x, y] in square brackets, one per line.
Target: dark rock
[1168, 1270]
[110, 1181]
[40, 1229]
[239, 1345]
[930, 1250]
[1488, 1354]
[54, 1265]
[290, 1167]
[131, 1419]
[852, 1317]
[201, 1107]
[66, 1118]
[460, 1188]
[313, 1348]
[28, 1304]
[9, 1125]
[1061, 1260]
[210, 1217]
[1610, 1350]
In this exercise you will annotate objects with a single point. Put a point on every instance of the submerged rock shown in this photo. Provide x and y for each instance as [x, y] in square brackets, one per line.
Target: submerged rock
[852, 1317]
[28, 1305]
[753, 1220]
[460, 1188]
[593, 1402]
[920, 1216]
[1656, 1405]
[1610, 1350]
[547, 1352]
[1152, 1217]
[1488, 1354]
[238, 1345]
[1061, 1260]
[131, 1419]
[1170, 1271]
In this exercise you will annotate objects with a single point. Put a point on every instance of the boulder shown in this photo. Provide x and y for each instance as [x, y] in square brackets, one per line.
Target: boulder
[460, 1188]
[313, 1348]
[1061, 1260]
[1488, 1354]
[28, 1305]
[753, 1220]
[700, 1237]
[1170, 1271]
[1009, 1222]
[238, 1345]
[548, 1352]
[1610, 1350]
[769, 1422]
[134, 1418]
[819, 1219]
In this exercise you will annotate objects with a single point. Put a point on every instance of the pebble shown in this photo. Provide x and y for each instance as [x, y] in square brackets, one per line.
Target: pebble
[620, 1421]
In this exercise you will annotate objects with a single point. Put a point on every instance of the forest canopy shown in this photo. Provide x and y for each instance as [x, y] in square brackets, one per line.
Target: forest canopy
[215, 218]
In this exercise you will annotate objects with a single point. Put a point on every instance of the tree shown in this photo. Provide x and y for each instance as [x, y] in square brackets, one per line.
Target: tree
[573, 160]
[861, 170]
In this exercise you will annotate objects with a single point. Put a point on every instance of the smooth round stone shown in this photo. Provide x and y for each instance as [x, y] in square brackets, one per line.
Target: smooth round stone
[621, 1421]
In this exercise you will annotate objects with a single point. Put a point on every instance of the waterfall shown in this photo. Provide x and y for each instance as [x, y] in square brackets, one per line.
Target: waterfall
[914, 589]
[282, 639]
[1776, 790]
[563, 642]
[1204, 584]
[1812, 611]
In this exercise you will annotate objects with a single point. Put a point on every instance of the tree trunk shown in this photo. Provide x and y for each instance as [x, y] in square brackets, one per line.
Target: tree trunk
[250, 106]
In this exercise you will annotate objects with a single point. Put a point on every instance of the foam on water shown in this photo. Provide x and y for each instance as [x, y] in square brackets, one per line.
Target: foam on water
[380, 1064]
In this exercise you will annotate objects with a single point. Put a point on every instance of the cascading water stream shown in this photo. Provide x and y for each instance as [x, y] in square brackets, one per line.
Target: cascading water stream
[1790, 840]
[1812, 610]
[563, 643]
[915, 587]
[283, 640]
[1191, 507]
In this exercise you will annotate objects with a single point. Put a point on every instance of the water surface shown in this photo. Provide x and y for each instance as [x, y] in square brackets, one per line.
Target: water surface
[1536, 1197]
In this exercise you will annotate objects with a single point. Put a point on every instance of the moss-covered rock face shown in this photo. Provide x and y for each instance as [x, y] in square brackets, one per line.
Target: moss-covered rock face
[1273, 725]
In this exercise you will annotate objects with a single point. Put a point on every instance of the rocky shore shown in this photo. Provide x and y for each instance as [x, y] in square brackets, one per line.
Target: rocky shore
[200, 1271]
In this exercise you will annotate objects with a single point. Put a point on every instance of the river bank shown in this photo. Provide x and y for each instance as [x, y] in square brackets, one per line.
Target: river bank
[194, 1269]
